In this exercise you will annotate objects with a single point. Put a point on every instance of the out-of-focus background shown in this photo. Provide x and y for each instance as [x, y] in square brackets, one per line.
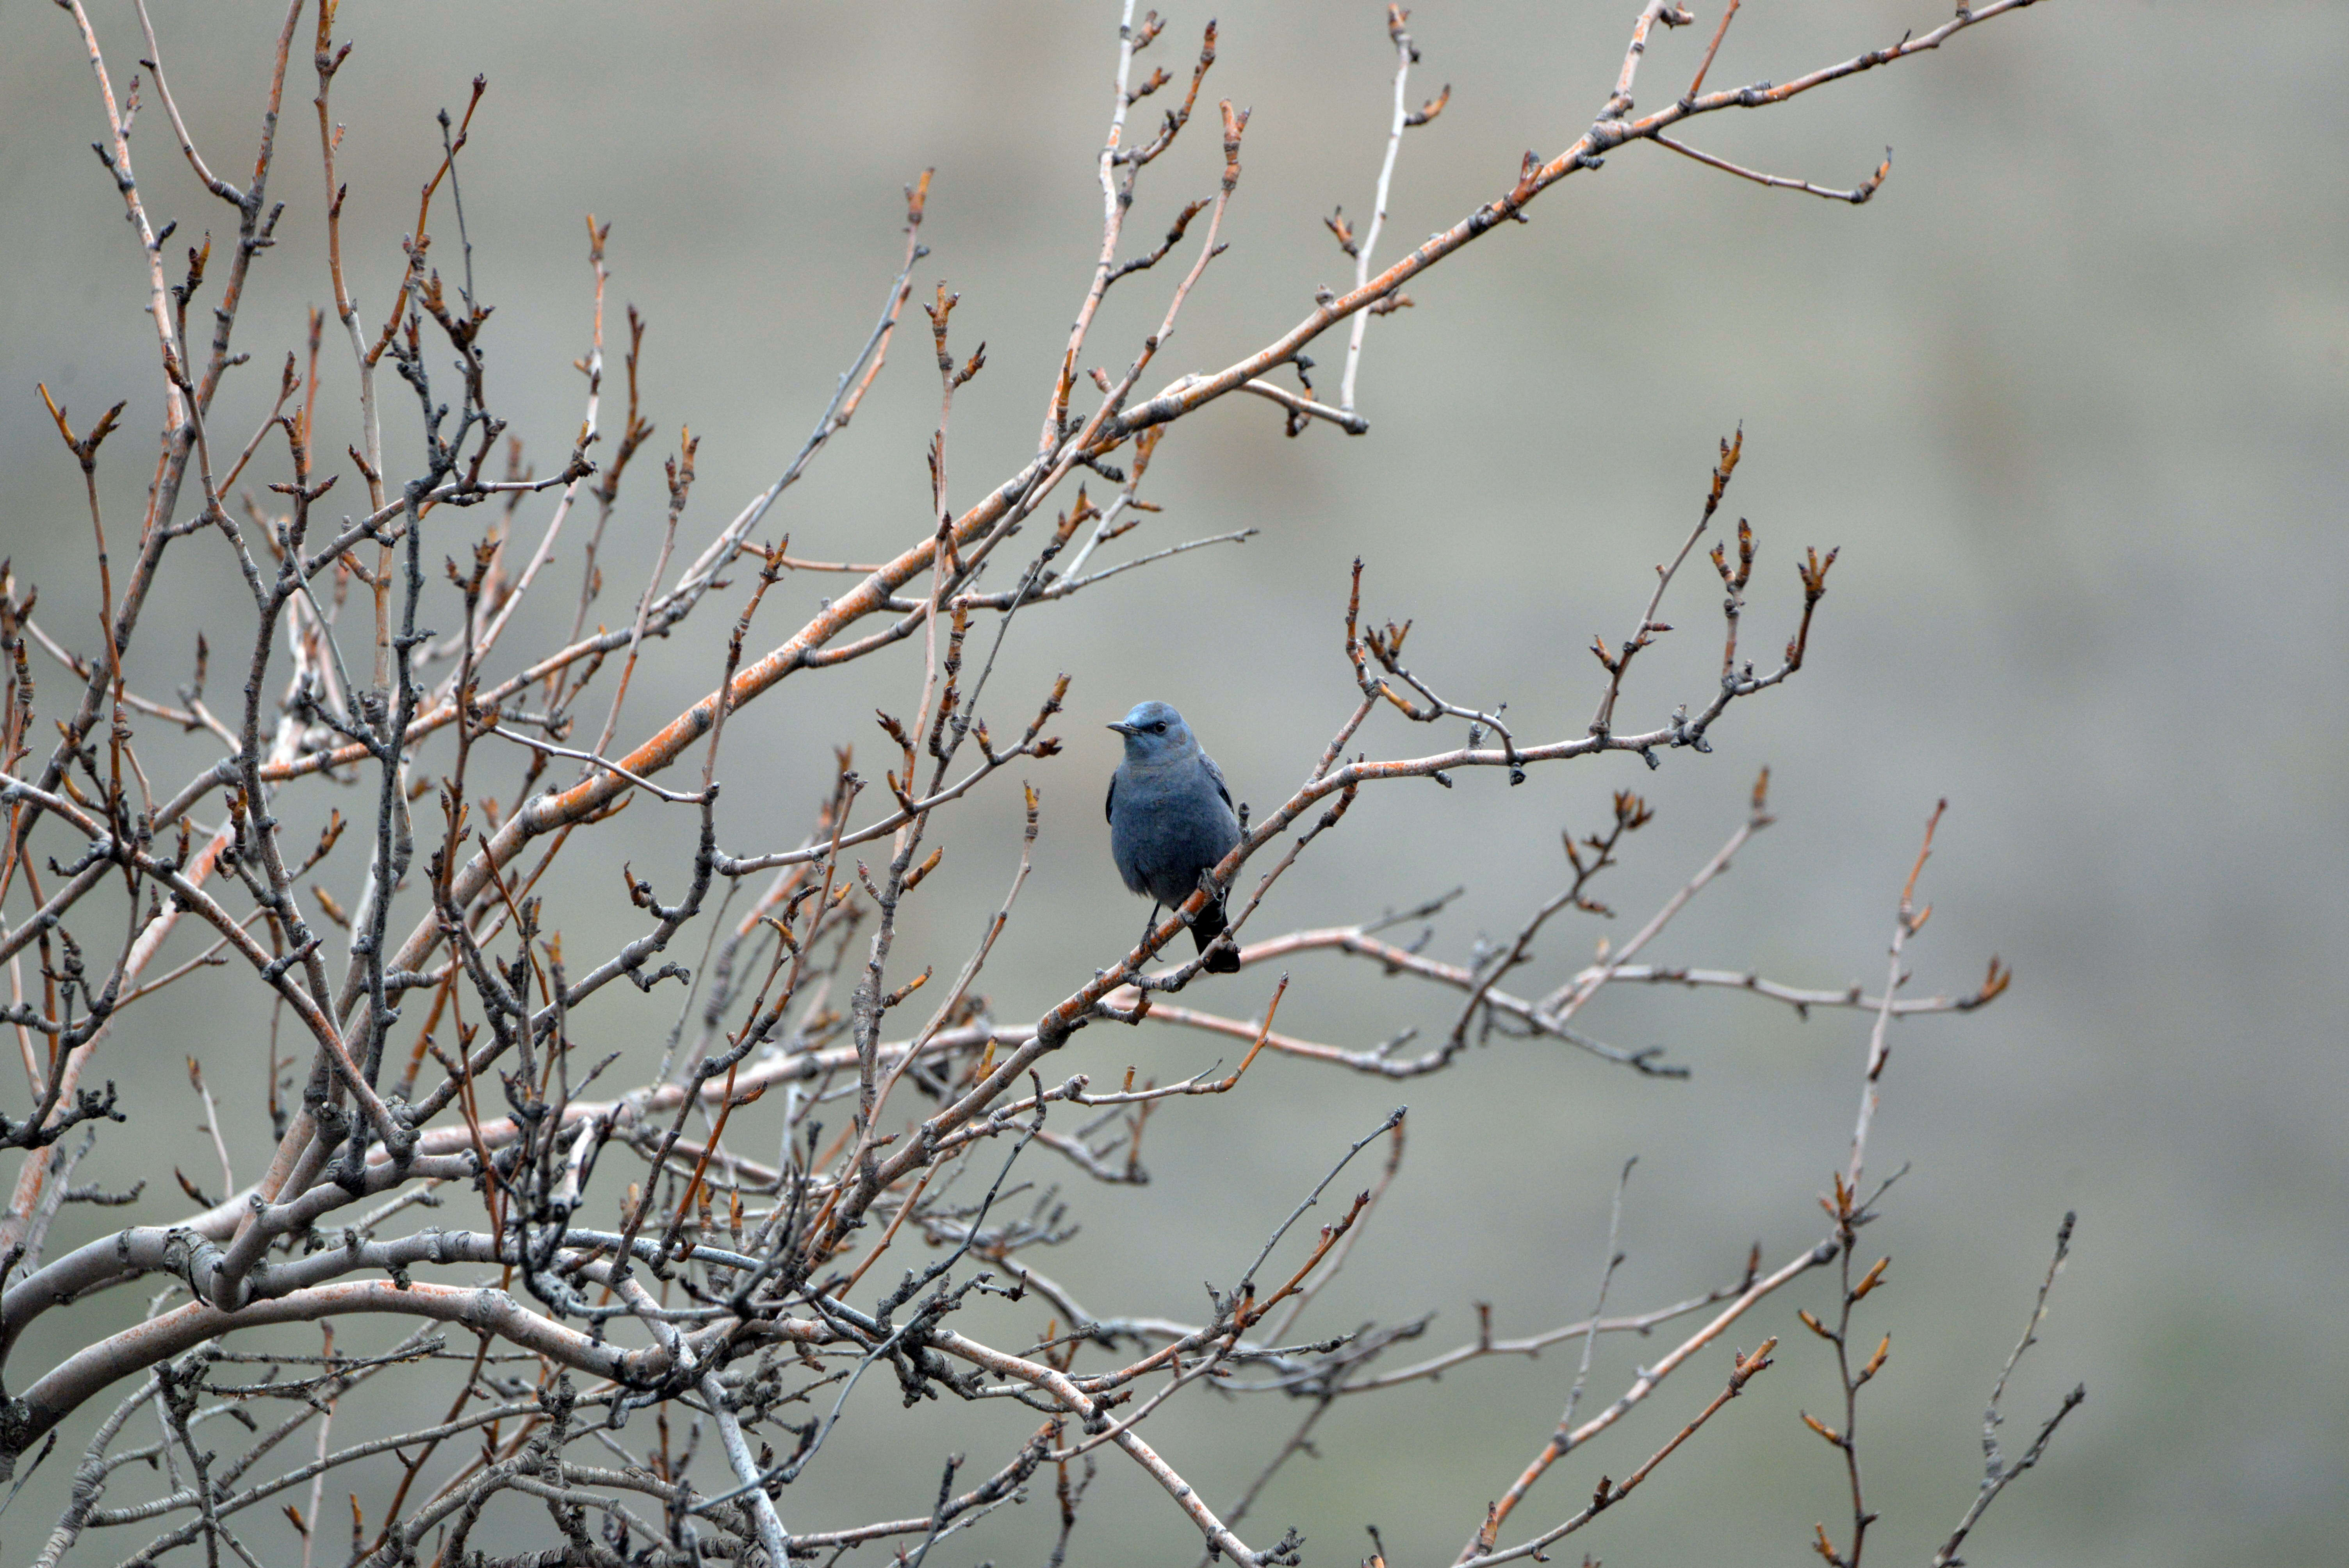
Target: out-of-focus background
[2070, 394]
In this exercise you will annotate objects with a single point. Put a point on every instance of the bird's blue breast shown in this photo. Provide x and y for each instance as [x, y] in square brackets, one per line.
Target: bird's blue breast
[1167, 824]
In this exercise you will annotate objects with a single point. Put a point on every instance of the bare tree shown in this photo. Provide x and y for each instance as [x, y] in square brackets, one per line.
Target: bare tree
[642, 1367]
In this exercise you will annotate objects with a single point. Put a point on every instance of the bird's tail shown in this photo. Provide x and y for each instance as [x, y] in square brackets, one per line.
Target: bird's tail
[1205, 929]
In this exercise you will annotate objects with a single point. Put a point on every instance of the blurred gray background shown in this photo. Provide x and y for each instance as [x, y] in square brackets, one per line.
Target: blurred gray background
[2070, 394]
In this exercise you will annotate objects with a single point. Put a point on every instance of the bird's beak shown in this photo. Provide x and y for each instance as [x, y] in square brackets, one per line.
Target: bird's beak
[1121, 729]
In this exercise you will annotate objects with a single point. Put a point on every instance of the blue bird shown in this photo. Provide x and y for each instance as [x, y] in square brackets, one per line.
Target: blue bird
[1170, 818]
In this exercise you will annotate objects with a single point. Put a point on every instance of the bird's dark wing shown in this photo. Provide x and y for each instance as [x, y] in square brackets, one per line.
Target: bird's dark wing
[1217, 774]
[1109, 806]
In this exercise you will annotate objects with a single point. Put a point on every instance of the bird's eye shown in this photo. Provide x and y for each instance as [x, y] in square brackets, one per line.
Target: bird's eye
[1158, 728]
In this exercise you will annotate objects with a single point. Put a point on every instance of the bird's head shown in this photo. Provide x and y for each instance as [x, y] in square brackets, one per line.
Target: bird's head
[1154, 730]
